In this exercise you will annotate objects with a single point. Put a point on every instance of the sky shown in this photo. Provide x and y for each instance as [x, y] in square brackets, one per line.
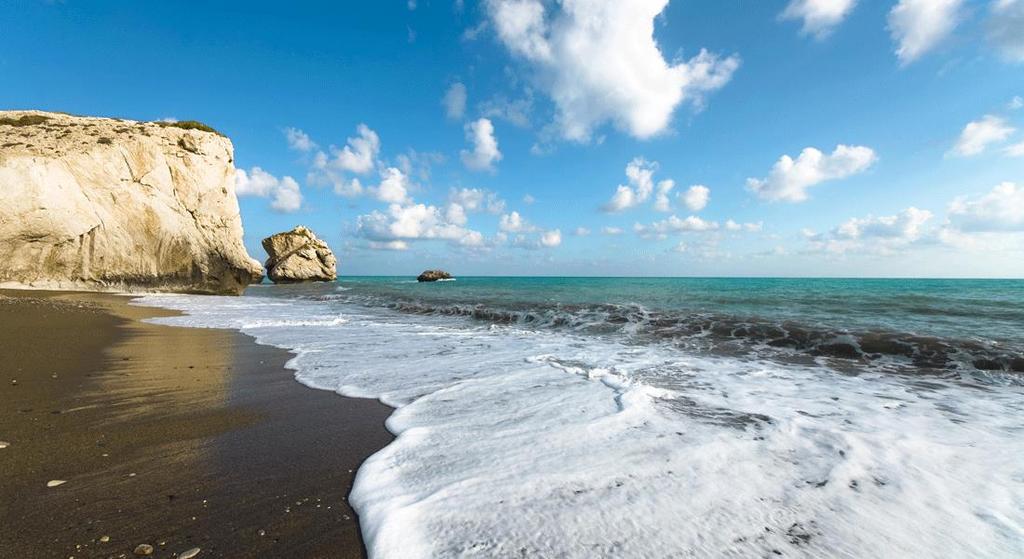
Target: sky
[877, 138]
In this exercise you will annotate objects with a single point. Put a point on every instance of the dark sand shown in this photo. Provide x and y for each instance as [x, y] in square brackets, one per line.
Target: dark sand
[173, 437]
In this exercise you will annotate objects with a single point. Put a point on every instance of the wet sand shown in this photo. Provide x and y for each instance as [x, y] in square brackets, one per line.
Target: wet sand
[172, 437]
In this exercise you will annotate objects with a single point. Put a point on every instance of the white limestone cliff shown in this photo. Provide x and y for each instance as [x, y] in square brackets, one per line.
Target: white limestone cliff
[118, 205]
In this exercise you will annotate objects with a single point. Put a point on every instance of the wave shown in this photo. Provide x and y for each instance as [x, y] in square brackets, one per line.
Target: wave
[730, 335]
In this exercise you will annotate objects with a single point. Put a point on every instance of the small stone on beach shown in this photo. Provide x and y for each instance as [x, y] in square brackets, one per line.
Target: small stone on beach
[104, 539]
[55, 482]
[4, 444]
[189, 554]
[143, 549]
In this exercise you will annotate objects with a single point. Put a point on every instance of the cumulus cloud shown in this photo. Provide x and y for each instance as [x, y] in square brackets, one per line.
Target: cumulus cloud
[1006, 28]
[696, 197]
[751, 227]
[640, 175]
[632, 86]
[1016, 103]
[392, 229]
[477, 200]
[979, 134]
[360, 153]
[1015, 150]
[819, 17]
[661, 199]
[1001, 209]
[515, 223]
[284, 193]
[393, 188]
[299, 140]
[918, 26]
[581, 232]
[674, 225]
[789, 179]
[551, 238]
[871, 234]
[485, 151]
[611, 230]
[454, 101]
[528, 199]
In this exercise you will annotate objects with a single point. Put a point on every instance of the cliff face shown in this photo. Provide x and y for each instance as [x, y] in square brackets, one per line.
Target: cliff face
[118, 205]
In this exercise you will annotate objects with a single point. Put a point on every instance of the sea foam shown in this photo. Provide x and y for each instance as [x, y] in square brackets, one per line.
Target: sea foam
[513, 442]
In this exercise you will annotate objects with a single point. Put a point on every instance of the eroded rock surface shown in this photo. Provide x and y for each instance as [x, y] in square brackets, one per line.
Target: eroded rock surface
[118, 205]
[299, 255]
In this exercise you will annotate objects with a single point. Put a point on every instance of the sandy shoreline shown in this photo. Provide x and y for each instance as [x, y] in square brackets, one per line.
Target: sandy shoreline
[173, 437]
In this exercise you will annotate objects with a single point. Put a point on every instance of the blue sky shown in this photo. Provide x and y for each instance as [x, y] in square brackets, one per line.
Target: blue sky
[902, 122]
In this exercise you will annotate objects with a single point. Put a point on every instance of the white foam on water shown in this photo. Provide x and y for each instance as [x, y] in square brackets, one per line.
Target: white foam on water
[515, 443]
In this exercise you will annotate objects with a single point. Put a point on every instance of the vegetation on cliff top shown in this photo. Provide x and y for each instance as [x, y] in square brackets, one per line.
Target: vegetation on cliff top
[189, 125]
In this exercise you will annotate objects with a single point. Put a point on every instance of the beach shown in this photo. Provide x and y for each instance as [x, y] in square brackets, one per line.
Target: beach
[176, 438]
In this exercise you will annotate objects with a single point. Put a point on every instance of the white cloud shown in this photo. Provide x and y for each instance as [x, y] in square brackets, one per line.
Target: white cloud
[789, 179]
[285, 194]
[1006, 28]
[408, 222]
[1015, 150]
[640, 174]
[514, 223]
[347, 188]
[632, 85]
[454, 101]
[661, 199]
[751, 227]
[979, 134]
[611, 230]
[1016, 103]
[394, 186]
[1002, 209]
[673, 224]
[918, 26]
[551, 238]
[299, 140]
[528, 199]
[360, 154]
[581, 232]
[905, 226]
[476, 200]
[696, 197]
[820, 17]
[513, 111]
[485, 146]
[883, 235]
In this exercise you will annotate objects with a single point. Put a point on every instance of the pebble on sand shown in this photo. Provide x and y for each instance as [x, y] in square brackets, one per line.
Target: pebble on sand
[189, 554]
[4, 444]
[143, 549]
[104, 539]
[55, 482]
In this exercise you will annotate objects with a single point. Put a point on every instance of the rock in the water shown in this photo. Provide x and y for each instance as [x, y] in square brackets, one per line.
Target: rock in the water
[118, 205]
[143, 549]
[434, 275]
[299, 255]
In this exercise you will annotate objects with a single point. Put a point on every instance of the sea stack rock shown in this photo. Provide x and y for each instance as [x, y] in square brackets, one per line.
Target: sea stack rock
[119, 205]
[299, 255]
[434, 275]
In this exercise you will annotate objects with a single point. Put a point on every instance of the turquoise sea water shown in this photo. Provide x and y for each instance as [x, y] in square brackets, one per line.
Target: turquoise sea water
[636, 418]
[931, 323]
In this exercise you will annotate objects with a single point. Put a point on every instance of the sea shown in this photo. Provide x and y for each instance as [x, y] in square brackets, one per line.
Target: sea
[667, 417]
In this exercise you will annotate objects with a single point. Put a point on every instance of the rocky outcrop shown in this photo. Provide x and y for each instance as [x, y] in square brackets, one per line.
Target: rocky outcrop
[118, 205]
[434, 275]
[299, 255]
